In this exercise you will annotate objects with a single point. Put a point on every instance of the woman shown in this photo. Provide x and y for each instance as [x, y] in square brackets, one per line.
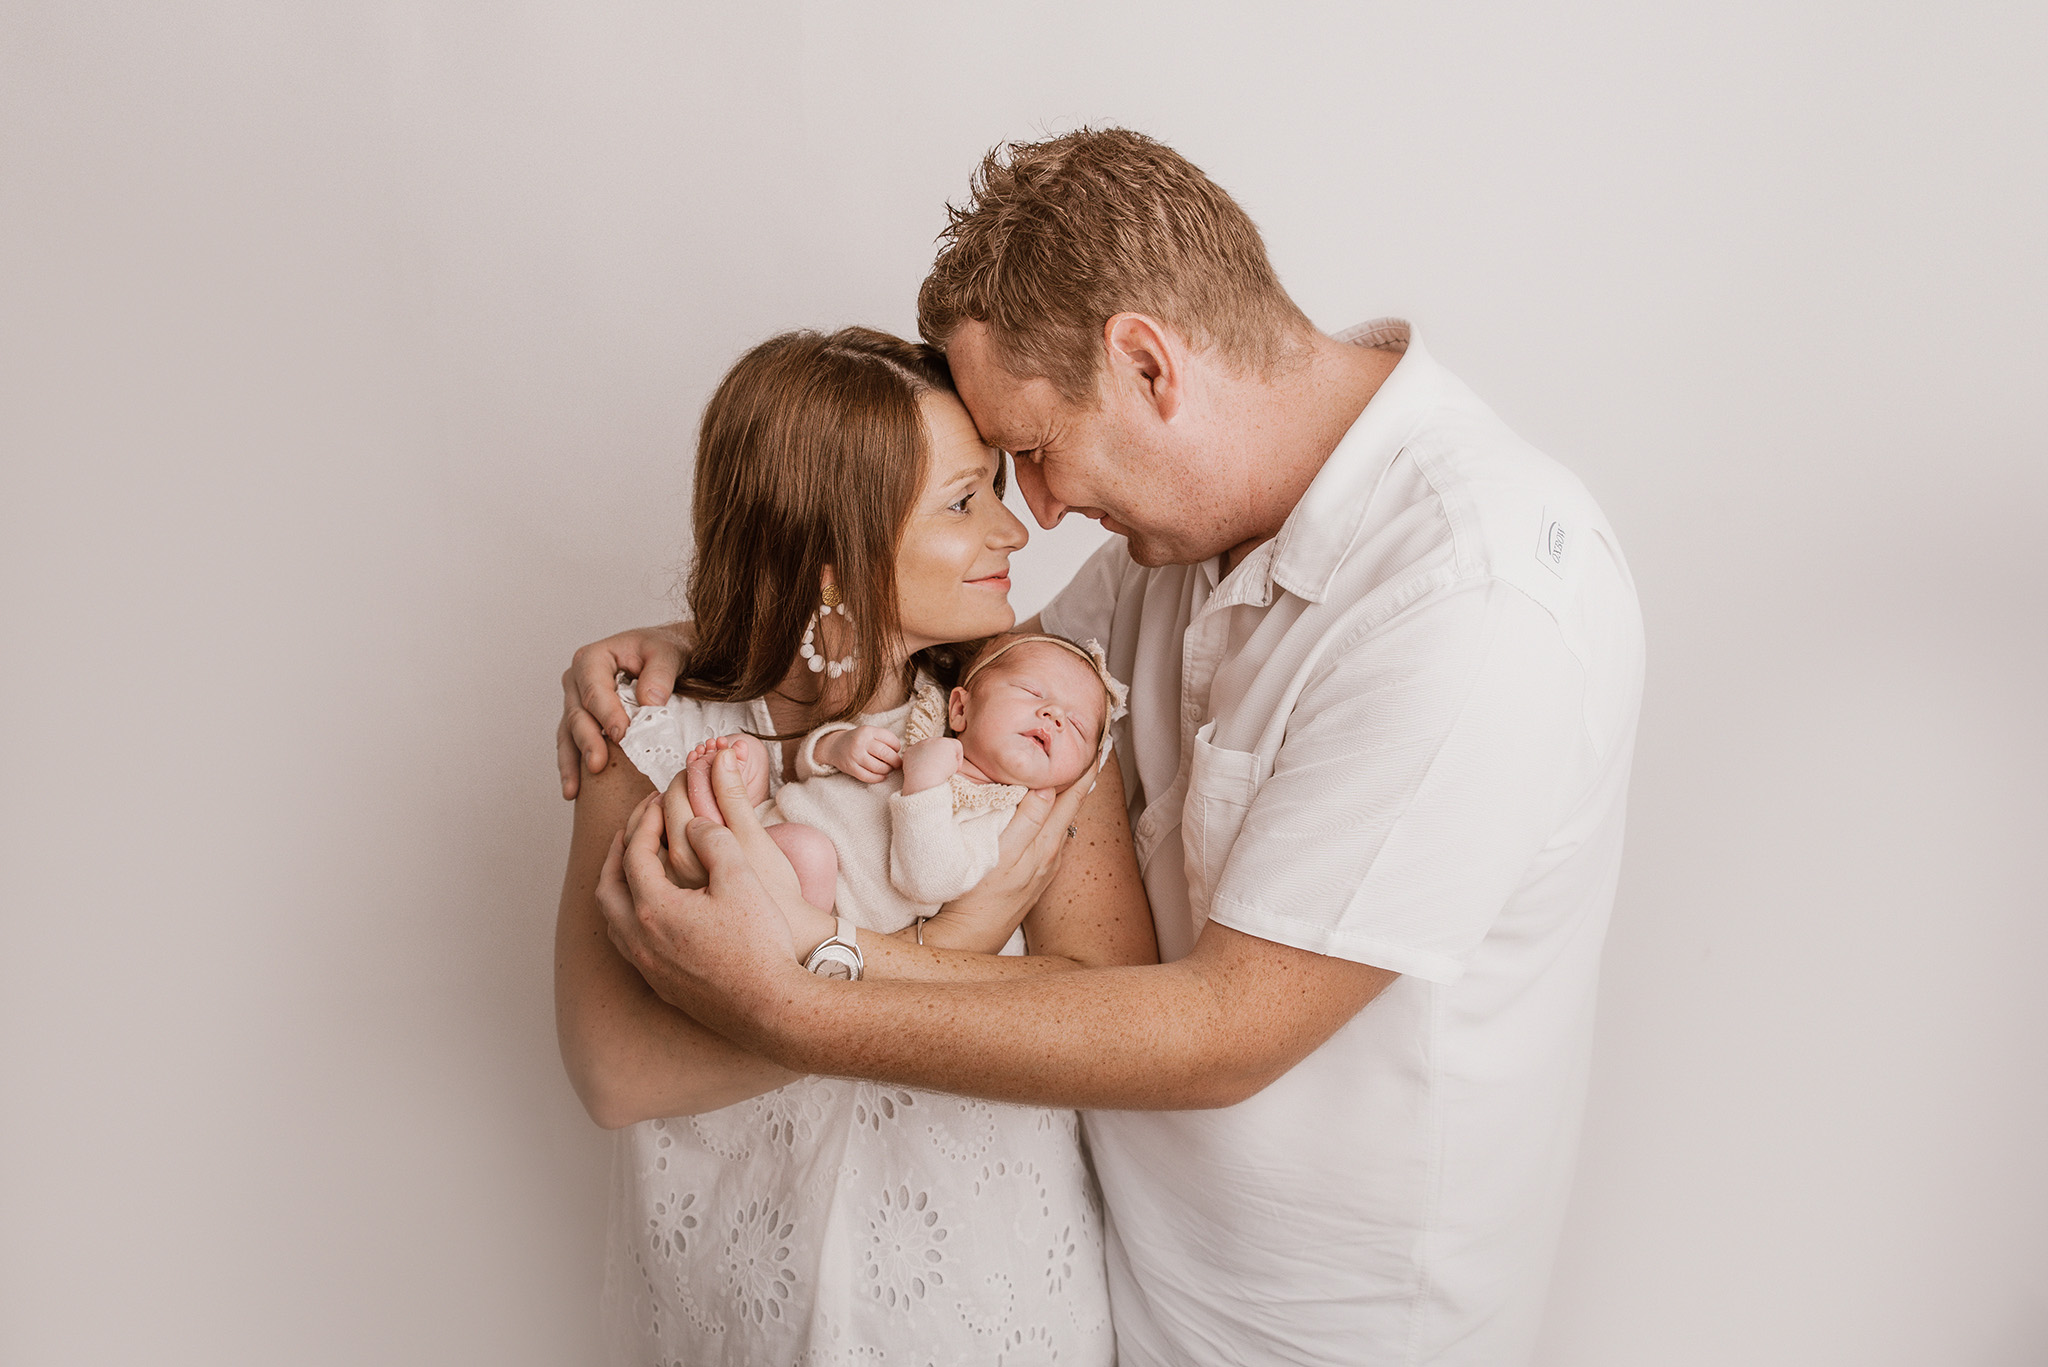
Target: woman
[760, 1217]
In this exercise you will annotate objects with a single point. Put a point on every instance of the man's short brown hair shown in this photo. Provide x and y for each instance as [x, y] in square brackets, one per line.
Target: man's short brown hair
[1060, 236]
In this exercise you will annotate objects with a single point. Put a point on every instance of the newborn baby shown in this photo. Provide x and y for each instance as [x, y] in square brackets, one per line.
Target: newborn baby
[1032, 711]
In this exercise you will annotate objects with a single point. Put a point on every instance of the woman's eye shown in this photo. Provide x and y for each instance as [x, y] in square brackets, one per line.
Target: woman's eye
[959, 505]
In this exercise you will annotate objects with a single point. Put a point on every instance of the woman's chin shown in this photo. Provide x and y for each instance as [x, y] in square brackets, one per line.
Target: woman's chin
[997, 620]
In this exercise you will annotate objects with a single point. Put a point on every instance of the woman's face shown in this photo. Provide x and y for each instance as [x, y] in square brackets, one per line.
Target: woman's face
[953, 564]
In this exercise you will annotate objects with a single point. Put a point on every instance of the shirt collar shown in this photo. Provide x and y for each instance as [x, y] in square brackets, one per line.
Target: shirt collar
[1319, 532]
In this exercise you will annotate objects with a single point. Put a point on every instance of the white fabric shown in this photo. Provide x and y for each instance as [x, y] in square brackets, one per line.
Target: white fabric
[1398, 733]
[855, 817]
[939, 845]
[832, 1221]
[899, 858]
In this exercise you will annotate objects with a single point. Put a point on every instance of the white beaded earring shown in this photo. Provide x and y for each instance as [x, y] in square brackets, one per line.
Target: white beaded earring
[832, 668]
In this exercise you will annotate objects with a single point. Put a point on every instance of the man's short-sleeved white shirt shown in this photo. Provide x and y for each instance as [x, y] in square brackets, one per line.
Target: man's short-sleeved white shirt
[1397, 733]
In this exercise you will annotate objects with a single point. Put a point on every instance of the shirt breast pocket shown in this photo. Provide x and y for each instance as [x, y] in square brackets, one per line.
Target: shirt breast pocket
[1221, 786]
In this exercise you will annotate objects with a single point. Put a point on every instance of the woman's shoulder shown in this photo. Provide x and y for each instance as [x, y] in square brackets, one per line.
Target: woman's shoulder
[659, 739]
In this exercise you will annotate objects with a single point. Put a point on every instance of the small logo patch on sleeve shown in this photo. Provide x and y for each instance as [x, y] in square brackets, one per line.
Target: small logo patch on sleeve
[1554, 545]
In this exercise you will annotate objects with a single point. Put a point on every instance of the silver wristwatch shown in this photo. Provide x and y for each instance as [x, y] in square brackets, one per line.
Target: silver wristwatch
[838, 957]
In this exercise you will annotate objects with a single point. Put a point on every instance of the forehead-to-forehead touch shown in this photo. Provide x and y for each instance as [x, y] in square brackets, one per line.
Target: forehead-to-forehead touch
[950, 431]
[1003, 405]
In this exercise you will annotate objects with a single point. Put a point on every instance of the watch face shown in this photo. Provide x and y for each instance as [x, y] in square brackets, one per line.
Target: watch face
[833, 968]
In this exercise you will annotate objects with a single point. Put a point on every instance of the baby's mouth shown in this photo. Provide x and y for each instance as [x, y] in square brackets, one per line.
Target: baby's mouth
[1042, 739]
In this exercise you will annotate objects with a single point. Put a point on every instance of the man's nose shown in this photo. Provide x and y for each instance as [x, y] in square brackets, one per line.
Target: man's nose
[1031, 483]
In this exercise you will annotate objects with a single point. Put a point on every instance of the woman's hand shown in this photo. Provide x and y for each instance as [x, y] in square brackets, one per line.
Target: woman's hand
[591, 709]
[1027, 857]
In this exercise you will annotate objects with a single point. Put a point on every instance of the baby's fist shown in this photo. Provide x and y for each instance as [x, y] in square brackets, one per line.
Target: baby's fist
[869, 753]
[929, 763]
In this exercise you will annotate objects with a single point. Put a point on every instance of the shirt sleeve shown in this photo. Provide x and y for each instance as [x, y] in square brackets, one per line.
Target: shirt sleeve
[1423, 770]
[658, 739]
[1086, 607]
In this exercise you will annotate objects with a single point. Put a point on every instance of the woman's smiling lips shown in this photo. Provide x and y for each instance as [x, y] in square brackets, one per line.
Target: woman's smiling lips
[999, 581]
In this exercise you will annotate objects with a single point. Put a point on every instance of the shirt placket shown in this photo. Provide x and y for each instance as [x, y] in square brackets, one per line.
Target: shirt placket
[1203, 646]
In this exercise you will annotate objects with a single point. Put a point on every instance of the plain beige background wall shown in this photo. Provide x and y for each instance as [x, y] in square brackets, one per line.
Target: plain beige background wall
[351, 358]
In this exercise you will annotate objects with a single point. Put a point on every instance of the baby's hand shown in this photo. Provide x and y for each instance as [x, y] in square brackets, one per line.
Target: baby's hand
[929, 763]
[869, 753]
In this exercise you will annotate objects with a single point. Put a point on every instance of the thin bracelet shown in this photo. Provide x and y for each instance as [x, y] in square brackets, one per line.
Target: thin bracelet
[920, 928]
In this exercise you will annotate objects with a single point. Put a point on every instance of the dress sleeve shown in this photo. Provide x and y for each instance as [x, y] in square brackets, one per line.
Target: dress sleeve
[933, 857]
[656, 738]
[1422, 772]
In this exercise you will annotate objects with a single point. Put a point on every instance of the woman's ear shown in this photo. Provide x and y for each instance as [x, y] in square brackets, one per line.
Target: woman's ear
[828, 578]
[956, 710]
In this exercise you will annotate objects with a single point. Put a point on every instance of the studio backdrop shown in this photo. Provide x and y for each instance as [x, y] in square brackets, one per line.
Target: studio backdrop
[350, 357]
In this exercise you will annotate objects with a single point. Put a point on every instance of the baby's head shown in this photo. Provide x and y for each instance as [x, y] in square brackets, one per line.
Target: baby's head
[1032, 709]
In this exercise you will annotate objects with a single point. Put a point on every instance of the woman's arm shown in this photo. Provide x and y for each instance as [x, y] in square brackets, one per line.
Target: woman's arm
[630, 1055]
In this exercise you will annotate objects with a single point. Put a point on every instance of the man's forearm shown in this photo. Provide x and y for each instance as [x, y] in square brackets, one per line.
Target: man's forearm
[1147, 1038]
[1207, 1030]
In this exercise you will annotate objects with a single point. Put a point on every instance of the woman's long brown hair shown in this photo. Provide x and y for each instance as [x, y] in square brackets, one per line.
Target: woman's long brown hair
[811, 453]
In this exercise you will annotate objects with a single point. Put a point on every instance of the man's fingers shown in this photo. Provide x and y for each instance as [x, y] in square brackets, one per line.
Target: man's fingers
[598, 692]
[718, 849]
[657, 673]
[730, 789]
[589, 740]
[612, 897]
[766, 857]
[676, 814]
[646, 874]
[568, 761]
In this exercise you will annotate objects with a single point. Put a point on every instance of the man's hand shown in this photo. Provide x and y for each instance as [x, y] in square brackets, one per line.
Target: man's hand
[591, 709]
[929, 763]
[868, 753]
[725, 954]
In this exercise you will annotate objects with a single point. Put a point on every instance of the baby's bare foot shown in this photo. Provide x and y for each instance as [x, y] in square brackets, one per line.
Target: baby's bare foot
[752, 757]
[697, 781]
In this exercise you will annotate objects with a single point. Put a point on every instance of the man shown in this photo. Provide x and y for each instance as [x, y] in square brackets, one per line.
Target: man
[1385, 663]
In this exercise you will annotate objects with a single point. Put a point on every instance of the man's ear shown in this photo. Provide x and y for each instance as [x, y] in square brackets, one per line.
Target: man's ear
[1143, 353]
[956, 710]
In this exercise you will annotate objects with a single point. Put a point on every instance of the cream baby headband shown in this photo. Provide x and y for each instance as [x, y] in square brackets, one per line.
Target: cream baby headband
[1119, 693]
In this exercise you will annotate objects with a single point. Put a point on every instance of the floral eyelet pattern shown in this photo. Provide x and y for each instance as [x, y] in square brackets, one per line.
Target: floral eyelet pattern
[850, 1223]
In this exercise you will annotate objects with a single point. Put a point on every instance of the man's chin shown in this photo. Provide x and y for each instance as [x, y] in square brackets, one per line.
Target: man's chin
[1152, 553]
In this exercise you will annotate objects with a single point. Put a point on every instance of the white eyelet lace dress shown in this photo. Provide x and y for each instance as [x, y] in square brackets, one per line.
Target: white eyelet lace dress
[843, 1222]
